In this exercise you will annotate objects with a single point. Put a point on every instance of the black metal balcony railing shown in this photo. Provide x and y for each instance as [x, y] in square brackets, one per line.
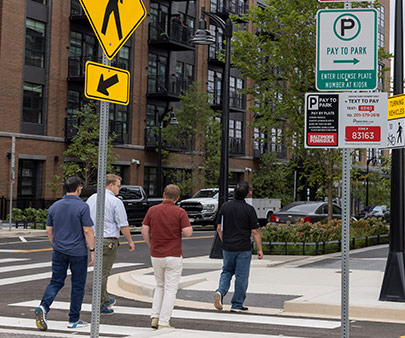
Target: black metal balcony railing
[279, 149]
[224, 7]
[116, 127]
[77, 65]
[162, 84]
[173, 32]
[236, 146]
[236, 100]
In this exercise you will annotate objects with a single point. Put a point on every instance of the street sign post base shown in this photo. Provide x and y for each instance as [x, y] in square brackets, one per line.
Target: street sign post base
[393, 287]
[216, 249]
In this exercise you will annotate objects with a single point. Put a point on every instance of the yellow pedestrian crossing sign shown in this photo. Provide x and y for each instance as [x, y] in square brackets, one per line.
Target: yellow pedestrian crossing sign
[114, 21]
[106, 83]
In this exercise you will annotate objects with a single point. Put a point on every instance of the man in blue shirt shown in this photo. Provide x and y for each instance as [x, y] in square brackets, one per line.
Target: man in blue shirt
[69, 228]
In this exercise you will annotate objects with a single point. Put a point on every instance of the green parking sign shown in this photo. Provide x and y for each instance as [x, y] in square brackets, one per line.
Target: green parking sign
[346, 54]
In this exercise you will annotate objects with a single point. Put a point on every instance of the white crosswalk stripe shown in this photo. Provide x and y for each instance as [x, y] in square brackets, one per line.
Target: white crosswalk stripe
[215, 316]
[28, 278]
[10, 260]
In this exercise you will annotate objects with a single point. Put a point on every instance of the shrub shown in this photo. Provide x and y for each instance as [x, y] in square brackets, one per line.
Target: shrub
[320, 232]
[29, 214]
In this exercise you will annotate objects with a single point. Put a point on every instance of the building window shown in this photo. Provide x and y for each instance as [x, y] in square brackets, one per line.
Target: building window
[82, 48]
[157, 66]
[216, 47]
[258, 143]
[35, 43]
[214, 87]
[76, 8]
[381, 26]
[236, 141]
[149, 181]
[236, 98]
[42, 2]
[119, 121]
[159, 21]
[32, 103]
[122, 58]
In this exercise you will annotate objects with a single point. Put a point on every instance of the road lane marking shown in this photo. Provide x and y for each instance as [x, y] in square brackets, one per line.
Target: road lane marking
[22, 239]
[28, 278]
[199, 315]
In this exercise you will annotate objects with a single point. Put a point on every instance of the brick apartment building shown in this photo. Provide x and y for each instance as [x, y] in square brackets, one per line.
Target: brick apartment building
[44, 45]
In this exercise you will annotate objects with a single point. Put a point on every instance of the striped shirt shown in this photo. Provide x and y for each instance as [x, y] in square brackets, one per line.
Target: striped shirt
[115, 215]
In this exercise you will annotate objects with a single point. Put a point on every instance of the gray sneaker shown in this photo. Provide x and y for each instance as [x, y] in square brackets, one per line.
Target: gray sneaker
[218, 301]
[40, 318]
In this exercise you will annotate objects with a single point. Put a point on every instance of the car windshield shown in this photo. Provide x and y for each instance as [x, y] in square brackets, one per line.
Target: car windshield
[205, 194]
[379, 208]
[305, 208]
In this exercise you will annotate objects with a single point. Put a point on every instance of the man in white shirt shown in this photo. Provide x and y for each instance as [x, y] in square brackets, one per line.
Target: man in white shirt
[115, 220]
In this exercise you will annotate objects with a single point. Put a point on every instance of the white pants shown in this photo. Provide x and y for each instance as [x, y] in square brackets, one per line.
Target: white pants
[167, 275]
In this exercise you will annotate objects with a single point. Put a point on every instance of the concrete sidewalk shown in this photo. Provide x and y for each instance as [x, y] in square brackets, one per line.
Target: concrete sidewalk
[279, 285]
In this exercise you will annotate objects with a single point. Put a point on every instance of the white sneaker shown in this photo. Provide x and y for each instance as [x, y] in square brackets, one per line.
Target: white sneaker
[79, 324]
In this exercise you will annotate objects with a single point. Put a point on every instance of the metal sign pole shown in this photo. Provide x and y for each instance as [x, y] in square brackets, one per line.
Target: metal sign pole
[101, 173]
[345, 236]
[12, 179]
[345, 243]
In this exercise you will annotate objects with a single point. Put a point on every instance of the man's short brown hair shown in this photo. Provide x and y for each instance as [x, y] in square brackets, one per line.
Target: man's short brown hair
[112, 178]
[172, 192]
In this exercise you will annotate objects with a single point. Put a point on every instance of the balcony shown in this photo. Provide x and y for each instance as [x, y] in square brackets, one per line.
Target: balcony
[175, 37]
[77, 66]
[225, 7]
[184, 144]
[236, 146]
[237, 101]
[76, 11]
[280, 150]
[114, 127]
[167, 88]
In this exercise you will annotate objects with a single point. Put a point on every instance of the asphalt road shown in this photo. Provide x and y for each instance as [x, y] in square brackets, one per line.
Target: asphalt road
[25, 270]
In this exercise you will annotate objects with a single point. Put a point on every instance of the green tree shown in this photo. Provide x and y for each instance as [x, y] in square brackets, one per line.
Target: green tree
[198, 131]
[83, 148]
[279, 57]
[273, 180]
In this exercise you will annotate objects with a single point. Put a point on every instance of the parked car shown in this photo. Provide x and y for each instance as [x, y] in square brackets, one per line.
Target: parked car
[379, 211]
[304, 211]
[135, 201]
[203, 207]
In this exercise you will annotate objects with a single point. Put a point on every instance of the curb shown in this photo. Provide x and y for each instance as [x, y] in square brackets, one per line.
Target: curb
[356, 312]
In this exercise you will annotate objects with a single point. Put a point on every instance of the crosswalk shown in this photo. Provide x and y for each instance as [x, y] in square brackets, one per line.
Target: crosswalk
[129, 329]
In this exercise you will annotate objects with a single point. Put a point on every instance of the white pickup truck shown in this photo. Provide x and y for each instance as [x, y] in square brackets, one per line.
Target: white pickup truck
[202, 208]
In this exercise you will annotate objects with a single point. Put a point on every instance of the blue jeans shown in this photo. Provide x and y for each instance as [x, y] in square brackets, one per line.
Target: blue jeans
[238, 264]
[60, 264]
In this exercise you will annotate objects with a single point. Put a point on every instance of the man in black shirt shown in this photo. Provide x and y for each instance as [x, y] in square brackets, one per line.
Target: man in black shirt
[237, 221]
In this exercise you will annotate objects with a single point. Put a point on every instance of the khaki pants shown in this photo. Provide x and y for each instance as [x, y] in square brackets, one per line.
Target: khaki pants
[167, 275]
[110, 249]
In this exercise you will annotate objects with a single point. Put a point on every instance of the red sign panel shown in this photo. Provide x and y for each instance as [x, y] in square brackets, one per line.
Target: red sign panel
[363, 134]
[322, 139]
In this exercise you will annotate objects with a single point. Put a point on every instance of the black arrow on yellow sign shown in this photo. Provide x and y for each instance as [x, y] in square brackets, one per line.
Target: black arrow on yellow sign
[103, 85]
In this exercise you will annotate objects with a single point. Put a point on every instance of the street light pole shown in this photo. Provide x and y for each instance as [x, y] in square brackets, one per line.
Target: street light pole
[204, 37]
[172, 121]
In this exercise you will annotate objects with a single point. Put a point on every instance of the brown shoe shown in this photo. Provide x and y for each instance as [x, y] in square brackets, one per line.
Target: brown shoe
[154, 323]
[165, 327]
[218, 301]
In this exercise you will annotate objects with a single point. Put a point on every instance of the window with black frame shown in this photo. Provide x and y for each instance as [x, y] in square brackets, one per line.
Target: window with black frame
[35, 43]
[32, 103]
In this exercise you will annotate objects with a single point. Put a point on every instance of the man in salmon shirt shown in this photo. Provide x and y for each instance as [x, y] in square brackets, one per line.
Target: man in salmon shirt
[162, 230]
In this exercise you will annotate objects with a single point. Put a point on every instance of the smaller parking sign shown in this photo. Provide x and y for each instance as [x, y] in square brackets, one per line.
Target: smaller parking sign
[346, 120]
